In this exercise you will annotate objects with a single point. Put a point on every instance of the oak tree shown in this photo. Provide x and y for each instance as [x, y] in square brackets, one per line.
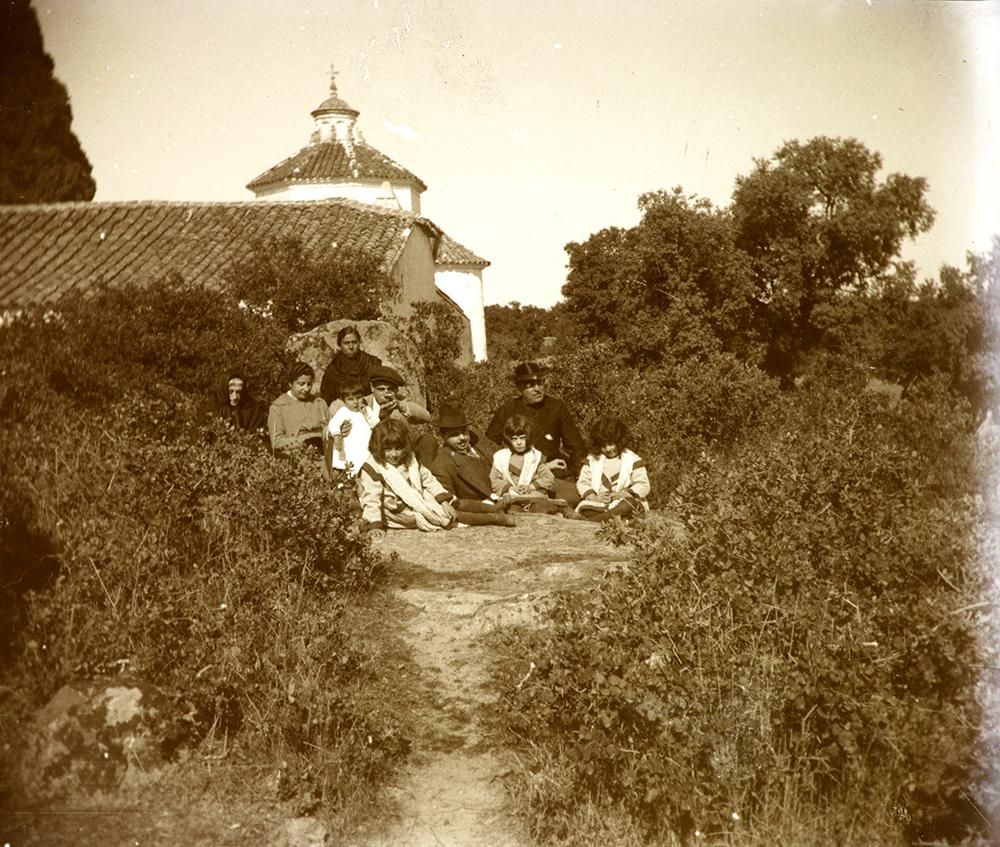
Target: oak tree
[673, 287]
[816, 220]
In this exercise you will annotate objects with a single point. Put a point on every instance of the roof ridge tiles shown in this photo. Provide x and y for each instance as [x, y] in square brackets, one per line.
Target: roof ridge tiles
[53, 248]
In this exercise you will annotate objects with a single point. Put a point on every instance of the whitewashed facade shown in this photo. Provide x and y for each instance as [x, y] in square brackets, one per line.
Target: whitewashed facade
[338, 163]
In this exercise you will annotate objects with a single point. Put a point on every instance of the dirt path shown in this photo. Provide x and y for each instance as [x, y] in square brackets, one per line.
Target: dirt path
[459, 585]
[455, 586]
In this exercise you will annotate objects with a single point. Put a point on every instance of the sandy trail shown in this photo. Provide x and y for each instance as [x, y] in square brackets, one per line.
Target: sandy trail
[455, 586]
[460, 585]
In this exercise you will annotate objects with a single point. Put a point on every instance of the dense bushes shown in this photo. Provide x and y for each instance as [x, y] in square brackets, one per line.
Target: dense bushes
[297, 291]
[135, 548]
[797, 647]
[215, 572]
[674, 411]
[162, 331]
[436, 331]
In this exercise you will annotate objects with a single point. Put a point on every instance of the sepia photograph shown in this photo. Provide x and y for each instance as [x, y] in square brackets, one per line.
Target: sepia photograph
[439, 423]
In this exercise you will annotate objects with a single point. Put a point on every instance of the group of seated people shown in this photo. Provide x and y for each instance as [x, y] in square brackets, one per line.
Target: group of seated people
[364, 427]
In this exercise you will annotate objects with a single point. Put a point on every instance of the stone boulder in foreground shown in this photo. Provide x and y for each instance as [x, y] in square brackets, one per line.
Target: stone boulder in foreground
[94, 739]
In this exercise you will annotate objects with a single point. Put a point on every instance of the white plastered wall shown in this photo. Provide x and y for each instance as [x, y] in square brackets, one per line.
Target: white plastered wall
[363, 192]
[464, 285]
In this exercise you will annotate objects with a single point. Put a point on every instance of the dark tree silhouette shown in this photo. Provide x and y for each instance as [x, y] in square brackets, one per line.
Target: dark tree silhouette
[41, 160]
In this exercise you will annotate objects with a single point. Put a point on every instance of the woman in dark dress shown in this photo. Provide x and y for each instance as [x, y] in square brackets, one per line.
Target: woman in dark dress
[234, 403]
[349, 364]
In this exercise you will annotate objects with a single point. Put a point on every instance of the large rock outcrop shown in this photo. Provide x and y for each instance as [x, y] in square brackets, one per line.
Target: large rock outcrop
[93, 739]
[318, 346]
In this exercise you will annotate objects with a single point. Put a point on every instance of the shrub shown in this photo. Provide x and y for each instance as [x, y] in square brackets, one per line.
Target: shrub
[674, 412]
[137, 549]
[215, 572]
[436, 331]
[98, 346]
[802, 635]
[280, 281]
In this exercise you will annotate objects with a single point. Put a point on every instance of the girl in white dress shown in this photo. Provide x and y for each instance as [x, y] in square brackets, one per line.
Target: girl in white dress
[520, 477]
[613, 481]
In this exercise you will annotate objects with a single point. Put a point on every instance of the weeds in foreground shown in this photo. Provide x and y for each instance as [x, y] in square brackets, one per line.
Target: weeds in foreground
[800, 660]
[228, 579]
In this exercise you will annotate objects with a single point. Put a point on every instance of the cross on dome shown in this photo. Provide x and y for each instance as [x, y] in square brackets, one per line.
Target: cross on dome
[333, 103]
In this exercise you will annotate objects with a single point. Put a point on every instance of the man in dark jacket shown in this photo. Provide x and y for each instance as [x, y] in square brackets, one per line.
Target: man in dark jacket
[555, 432]
[462, 464]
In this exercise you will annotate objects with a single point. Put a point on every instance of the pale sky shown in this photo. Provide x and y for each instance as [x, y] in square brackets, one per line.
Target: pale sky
[538, 122]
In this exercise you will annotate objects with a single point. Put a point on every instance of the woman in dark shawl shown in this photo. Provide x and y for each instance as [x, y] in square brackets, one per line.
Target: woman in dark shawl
[349, 364]
[234, 403]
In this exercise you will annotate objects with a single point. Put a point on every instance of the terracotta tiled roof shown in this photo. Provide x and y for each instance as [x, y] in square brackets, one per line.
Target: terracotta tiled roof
[47, 250]
[450, 252]
[333, 160]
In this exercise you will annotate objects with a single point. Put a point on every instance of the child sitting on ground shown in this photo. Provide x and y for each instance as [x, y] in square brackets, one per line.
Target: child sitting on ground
[521, 479]
[613, 481]
[397, 492]
[348, 433]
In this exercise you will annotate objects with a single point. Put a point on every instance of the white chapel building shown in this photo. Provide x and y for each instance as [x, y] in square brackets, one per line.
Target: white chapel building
[338, 163]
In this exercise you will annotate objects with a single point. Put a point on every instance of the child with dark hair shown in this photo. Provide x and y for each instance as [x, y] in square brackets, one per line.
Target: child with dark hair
[613, 482]
[520, 477]
[397, 492]
[297, 419]
[348, 432]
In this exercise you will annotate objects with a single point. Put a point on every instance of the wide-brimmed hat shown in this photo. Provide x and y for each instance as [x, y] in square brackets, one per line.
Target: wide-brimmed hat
[529, 370]
[450, 416]
[383, 373]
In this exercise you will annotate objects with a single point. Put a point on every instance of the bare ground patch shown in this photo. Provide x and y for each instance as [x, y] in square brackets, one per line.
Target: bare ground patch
[460, 585]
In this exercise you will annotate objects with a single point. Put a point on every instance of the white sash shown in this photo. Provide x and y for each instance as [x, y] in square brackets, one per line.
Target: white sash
[628, 459]
[430, 516]
[532, 459]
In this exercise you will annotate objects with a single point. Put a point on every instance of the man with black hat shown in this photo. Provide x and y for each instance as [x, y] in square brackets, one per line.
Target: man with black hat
[556, 433]
[462, 464]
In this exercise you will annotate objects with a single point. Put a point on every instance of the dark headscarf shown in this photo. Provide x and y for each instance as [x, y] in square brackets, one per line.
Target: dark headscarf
[248, 414]
[343, 369]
